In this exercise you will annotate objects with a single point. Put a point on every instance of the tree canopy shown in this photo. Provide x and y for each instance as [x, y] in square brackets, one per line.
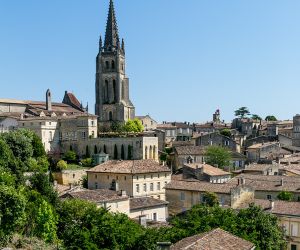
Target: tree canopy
[242, 112]
[218, 156]
[256, 117]
[271, 118]
[285, 196]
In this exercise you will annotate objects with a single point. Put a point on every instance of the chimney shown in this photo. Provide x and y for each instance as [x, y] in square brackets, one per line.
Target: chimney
[48, 100]
[281, 182]
[123, 193]
[272, 203]
[143, 220]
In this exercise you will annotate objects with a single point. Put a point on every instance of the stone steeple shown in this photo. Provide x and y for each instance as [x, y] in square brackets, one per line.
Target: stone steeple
[113, 103]
[112, 40]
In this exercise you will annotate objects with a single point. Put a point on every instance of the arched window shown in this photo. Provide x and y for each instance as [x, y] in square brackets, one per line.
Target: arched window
[113, 64]
[154, 152]
[71, 148]
[123, 90]
[115, 90]
[107, 65]
[104, 149]
[106, 91]
[116, 155]
[122, 152]
[150, 152]
[95, 150]
[110, 116]
[129, 156]
[87, 152]
[146, 153]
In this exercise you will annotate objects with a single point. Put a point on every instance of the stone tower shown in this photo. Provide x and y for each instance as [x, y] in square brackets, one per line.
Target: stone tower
[296, 131]
[112, 85]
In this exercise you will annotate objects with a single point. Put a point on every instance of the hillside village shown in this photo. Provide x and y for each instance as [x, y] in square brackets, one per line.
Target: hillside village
[154, 171]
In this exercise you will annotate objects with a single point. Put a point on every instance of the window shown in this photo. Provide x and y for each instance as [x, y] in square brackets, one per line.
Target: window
[96, 185]
[96, 176]
[182, 196]
[155, 216]
[158, 185]
[166, 183]
[293, 247]
[151, 187]
[158, 176]
[151, 176]
[92, 123]
[23, 124]
[112, 64]
[73, 176]
[50, 136]
[269, 197]
[145, 187]
[83, 135]
[107, 64]
[294, 229]
[137, 187]
[125, 178]
[108, 177]
[144, 177]
[49, 123]
[137, 177]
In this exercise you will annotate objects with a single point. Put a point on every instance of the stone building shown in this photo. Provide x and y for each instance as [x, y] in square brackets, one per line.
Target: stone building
[148, 122]
[216, 139]
[139, 178]
[296, 130]
[263, 151]
[112, 84]
[182, 194]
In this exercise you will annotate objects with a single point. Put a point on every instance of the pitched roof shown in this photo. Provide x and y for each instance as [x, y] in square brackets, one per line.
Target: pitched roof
[259, 167]
[216, 239]
[190, 150]
[262, 145]
[130, 167]
[146, 202]
[96, 196]
[200, 186]
[269, 182]
[288, 208]
[208, 169]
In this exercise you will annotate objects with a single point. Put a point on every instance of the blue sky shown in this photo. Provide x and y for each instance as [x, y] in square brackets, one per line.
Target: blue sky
[185, 58]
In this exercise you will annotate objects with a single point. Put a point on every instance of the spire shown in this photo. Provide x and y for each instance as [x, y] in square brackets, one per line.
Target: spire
[111, 35]
[123, 45]
[100, 43]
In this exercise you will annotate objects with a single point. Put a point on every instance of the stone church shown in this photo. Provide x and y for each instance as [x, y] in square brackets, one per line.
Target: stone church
[112, 85]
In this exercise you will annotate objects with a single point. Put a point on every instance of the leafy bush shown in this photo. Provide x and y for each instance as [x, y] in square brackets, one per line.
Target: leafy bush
[88, 162]
[70, 156]
[61, 165]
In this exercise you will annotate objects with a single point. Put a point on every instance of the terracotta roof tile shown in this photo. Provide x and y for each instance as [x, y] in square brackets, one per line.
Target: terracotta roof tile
[217, 239]
[130, 166]
[146, 202]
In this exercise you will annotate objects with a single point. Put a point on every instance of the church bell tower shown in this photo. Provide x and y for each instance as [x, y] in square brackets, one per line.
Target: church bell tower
[112, 85]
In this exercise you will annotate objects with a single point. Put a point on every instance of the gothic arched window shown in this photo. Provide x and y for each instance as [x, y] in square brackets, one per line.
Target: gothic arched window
[107, 64]
[115, 90]
[106, 91]
[113, 64]
[110, 116]
[150, 152]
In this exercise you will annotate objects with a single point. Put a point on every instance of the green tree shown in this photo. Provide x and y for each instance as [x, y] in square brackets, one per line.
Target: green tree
[256, 117]
[210, 199]
[285, 196]
[116, 154]
[61, 165]
[6, 178]
[271, 118]
[12, 212]
[46, 221]
[70, 156]
[226, 132]
[135, 126]
[129, 157]
[84, 181]
[6, 156]
[122, 152]
[218, 156]
[242, 112]
[40, 183]
[38, 147]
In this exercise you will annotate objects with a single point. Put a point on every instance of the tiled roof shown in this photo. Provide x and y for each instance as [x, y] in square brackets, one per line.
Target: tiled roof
[259, 167]
[190, 150]
[262, 145]
[295, 158]
[165, 126]
[217, 239]
[208, 169]
[200, 186]
[97, 196]
[289, 208]
[73, 100]
[269, 182]
[146, 202]
[130, 167]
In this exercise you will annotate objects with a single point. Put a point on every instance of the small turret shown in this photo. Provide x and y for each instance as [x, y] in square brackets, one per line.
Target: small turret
[123, 45]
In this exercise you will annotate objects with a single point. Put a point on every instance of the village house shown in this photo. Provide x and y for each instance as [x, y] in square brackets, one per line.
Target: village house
[263, 151]
[216, 139]
[148, 122]
[289, 218]
[262, 169]
[268, 187]
[182, 194]
[205, 172]
[216, 239]
[118, 202]
[170, 132]
[139, 178]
